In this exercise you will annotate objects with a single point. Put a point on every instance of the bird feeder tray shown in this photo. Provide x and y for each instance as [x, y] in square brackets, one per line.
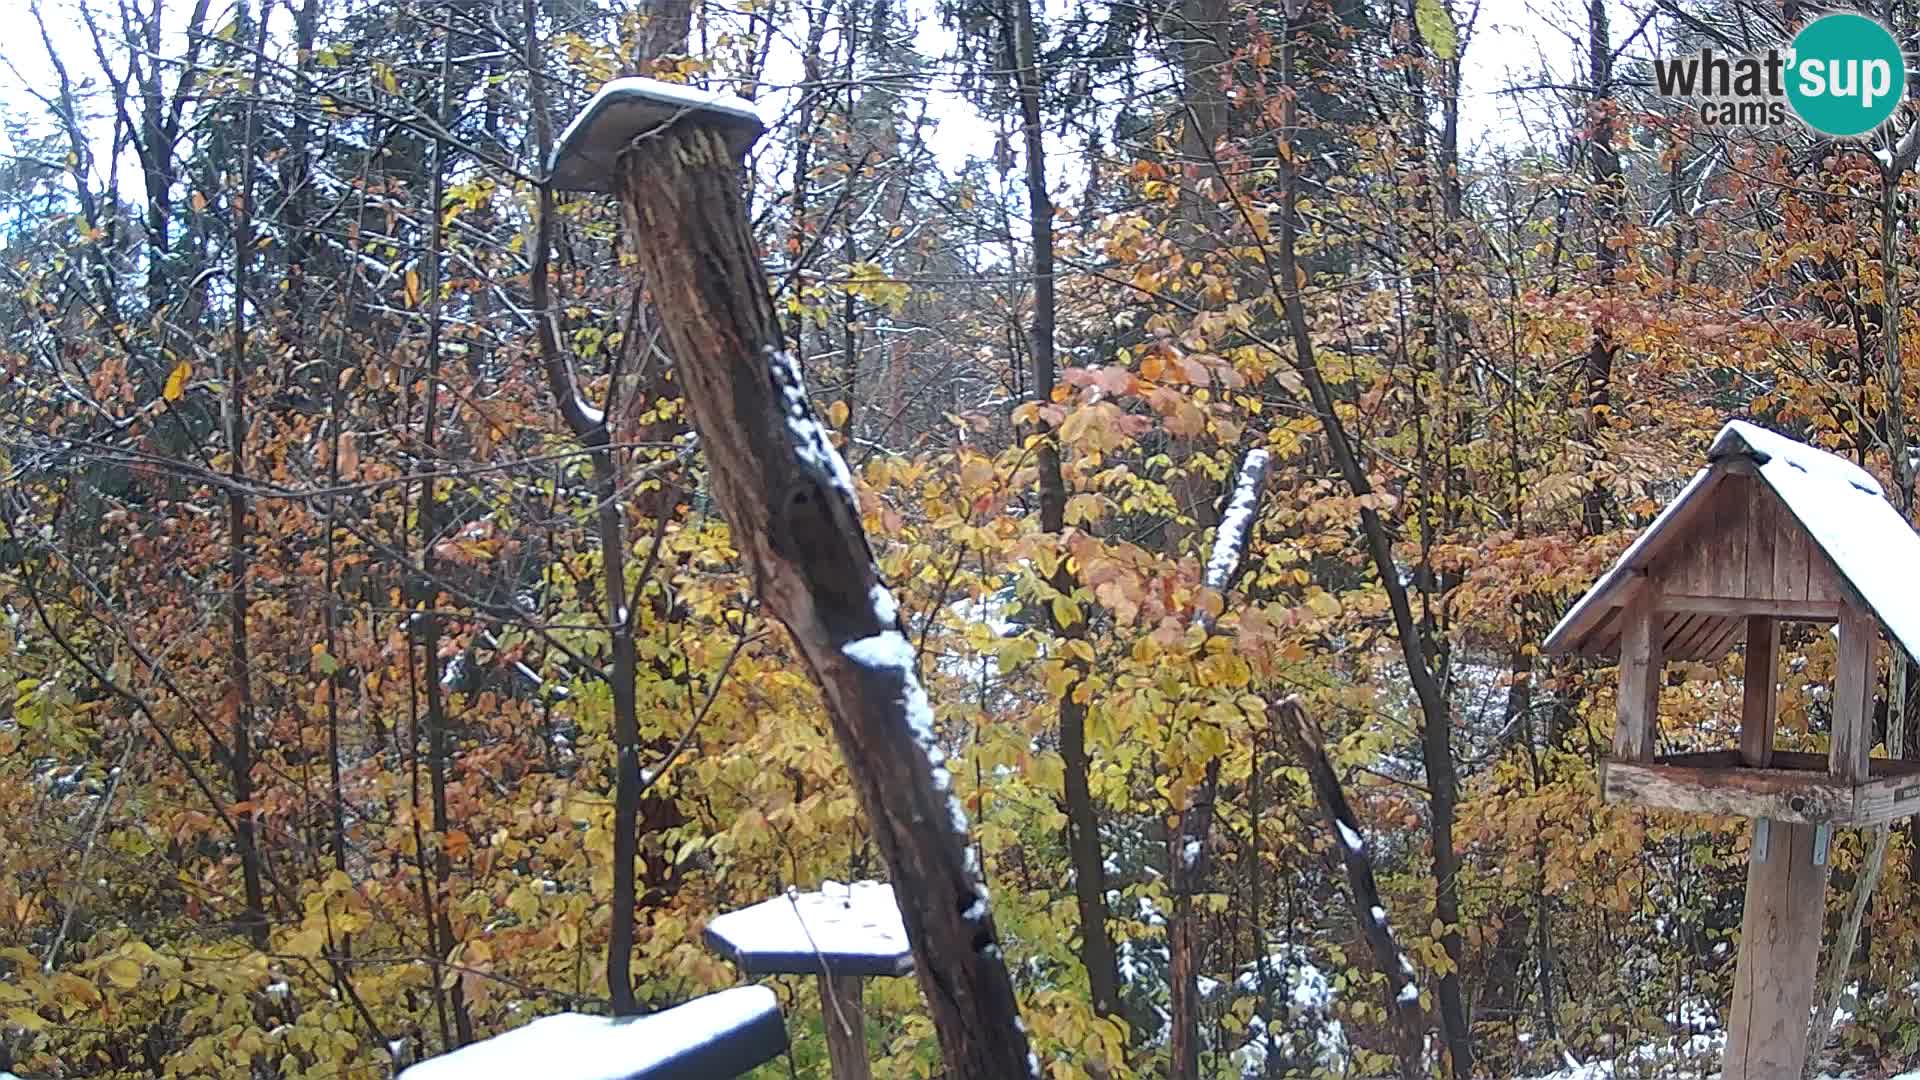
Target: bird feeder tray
[1793, 787]
[719, 1035]
[838, 930]
[627, 109]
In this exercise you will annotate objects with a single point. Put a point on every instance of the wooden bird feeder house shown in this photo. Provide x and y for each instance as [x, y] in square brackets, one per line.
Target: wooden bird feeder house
[1771, 531]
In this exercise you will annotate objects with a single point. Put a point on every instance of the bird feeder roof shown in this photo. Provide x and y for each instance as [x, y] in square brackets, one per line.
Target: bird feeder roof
[839, 930]
[1854, 544]
[723, 1034]
[627, 109]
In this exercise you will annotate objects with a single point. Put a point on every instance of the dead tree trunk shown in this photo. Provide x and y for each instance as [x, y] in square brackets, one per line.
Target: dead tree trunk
[795, 519]
[1404, 1000]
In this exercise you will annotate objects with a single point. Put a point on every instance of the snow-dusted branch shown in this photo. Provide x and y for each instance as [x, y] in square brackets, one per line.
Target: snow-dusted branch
[1229, 552]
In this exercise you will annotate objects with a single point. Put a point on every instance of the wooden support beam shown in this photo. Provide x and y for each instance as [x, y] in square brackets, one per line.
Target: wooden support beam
[1757, 706]
[1794, 610]
[1779, 953]
[1724, 789]
[1853, 686]
[1641, 660]
[844, 1012]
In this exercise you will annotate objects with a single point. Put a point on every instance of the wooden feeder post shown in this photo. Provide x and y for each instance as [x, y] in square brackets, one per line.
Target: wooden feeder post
[672, 153]
[1771, 531]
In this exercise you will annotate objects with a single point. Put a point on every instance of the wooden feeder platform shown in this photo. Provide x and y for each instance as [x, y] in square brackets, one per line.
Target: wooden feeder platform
[1792, 787]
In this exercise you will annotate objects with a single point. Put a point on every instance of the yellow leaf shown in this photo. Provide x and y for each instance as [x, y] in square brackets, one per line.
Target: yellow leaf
[123, 973]
[1065, 611]
[307, 942]
[1435, 23]
[837, 414]
[26, 1018]
[177, 381]
[413, 289]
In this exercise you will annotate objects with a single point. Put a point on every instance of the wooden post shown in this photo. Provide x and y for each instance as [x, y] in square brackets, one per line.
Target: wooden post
[1641, 660]
[845, 1016]
[1758, 712]
[1853, 682]
[1785, 913]
[1779, 954]
[794, 516]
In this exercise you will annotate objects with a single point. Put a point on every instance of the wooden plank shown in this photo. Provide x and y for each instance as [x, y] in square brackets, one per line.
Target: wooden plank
[1823, 580]
[1709, 759]
[1729, 791]
[1693, 645]
[1673, 631]
[1758, 702]
[1637, 704]
[1780, 934]
[1603, 638]
[1731, 631]
[1730, 537]
[1886, 799]
[1789, 556]
[1879, 768]
[1826, 610]
[1854, 681]
[1760, 531]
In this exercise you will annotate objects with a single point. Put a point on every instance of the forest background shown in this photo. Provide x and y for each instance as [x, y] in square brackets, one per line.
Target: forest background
[330, 593]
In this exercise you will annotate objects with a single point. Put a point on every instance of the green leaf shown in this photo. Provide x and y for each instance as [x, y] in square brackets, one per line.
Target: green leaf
[1436, 26]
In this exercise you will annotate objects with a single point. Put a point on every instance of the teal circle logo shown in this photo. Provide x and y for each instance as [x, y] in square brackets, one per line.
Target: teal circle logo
[1846, 75]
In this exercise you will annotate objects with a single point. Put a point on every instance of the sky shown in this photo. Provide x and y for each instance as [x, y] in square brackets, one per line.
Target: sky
[1512, 43]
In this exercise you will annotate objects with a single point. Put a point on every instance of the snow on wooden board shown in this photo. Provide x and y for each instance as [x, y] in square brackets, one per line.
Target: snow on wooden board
[839, 930]
[1841, 506]
[1846, 513]
[625, 109]
[720, 1035]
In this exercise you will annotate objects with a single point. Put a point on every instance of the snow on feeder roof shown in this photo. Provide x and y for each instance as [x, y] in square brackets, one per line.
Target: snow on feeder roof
[840, 930]
[1820, 524]
[719, 1035]
[627, 109]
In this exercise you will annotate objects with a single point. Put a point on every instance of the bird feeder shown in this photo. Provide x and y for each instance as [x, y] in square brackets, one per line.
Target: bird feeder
[843, 934]
[628, 109]
[723, 1034]
[1771, 531]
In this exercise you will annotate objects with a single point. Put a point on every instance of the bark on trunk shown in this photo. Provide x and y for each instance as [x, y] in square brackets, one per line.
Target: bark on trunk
[1608, 226]
[240, 756]
[789, 499]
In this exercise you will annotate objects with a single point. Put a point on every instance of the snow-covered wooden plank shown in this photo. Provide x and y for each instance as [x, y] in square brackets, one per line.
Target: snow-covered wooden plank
[836, 930]
[712, 1037]
[626, 109]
